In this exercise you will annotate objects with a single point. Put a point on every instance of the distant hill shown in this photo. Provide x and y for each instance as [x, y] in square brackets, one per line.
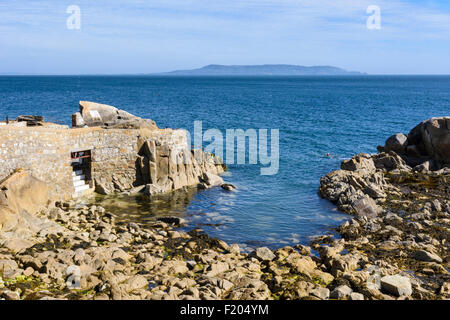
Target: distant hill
[262, 70]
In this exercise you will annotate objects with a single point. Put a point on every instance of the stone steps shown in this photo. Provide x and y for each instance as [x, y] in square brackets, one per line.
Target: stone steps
[80, 177]
[79, 182]
[81, 188]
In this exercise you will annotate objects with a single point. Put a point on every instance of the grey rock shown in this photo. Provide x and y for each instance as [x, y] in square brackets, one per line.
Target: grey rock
[212, 180]
[12, 274]
[396, 143]
[374, 191]
[366, 207]
[234, 248]
[10, 295]
[263, 254]
[360, 162]
[341, 292]
[224, 284]
[102, 188]
[304, 250]
[77, 120]
[194, 292]
[93, 114]
[393, 219]
[106, 236]
[134, 226]
[217, 268]
[436, 205]
[223, 245]
[445, 289]
[432, 138]
[321, 293]
[136, 282]
[397, 285]
[7, 265]
[18, 245]
[137, 189]
[191, 264]
[151, 189]
[356, 296]
[28, 271]
[426, 256]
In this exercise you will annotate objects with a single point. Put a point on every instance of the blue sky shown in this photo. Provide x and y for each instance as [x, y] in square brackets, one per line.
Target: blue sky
[144, 36]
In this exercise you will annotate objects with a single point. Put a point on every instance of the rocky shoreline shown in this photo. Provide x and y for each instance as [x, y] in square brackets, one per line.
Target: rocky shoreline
[401, 224]
[394, 247]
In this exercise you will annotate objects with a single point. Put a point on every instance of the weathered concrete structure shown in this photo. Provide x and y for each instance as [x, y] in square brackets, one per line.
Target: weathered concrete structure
[113, 159]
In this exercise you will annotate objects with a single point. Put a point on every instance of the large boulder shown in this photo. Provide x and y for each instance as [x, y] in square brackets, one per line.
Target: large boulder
[164, 167]
[93, 114]
[20, 194]
[432, 137]
[429, 140]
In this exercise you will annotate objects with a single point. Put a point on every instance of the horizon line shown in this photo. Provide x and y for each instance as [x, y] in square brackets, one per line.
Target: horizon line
[165, 74]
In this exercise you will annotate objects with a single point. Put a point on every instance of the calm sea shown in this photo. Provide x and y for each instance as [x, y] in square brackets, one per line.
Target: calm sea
[315, 115]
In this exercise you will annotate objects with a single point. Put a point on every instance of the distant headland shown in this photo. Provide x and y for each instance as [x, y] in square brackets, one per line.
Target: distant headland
[262, 70]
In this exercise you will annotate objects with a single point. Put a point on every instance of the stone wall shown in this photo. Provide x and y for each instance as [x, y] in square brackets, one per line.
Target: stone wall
[45, 153]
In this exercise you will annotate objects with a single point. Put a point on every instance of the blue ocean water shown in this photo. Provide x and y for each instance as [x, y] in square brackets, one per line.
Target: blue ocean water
[315, 115]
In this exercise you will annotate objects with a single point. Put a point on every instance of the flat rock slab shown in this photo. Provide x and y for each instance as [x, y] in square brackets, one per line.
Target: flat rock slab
[17, 245]
[396, 285]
